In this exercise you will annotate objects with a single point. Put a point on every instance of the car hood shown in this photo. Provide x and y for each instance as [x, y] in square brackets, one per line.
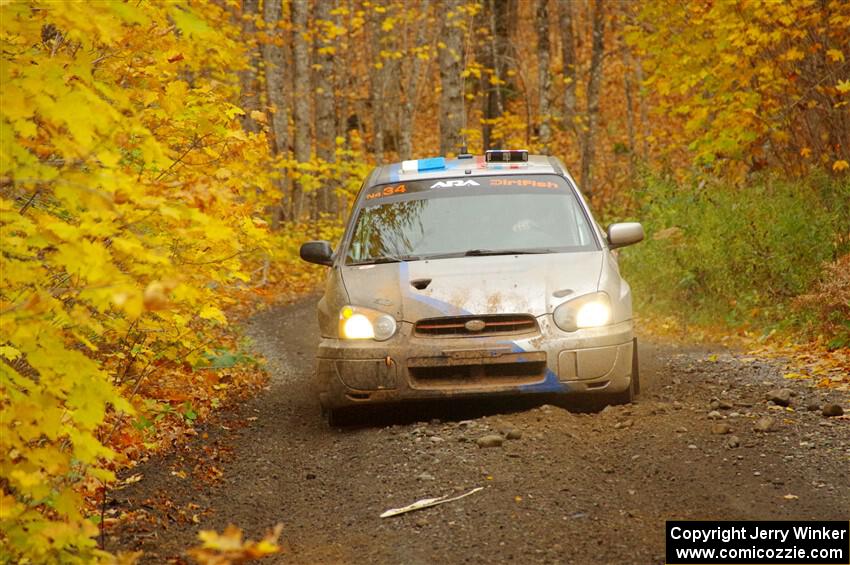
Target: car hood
[502, 284]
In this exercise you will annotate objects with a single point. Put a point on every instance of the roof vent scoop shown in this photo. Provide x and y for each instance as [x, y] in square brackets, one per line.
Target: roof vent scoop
[420, 284]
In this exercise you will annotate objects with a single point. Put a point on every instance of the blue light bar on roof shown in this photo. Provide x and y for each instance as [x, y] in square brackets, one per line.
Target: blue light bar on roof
[432, 164]
[419, 165]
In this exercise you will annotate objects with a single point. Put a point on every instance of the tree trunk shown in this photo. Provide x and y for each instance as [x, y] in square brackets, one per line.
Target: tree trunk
[342, 89]
[407, 122]
[499, 16]
[301, 102]
[249, 78]
[274, 60]
[325, 114]
[543, 76]
[568, 55]
[377, 82]
[451, 95]
[630, 115]
[644, 110]
[342, 74]
[594, 85]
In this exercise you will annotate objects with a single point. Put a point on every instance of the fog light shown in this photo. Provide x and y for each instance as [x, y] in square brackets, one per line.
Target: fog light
[384, 327]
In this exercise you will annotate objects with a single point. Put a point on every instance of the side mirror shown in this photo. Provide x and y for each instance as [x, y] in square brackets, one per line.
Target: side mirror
[621, 235]
[319, 252]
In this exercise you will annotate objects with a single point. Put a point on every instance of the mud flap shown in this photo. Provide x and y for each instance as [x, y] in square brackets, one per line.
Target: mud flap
[635, 367]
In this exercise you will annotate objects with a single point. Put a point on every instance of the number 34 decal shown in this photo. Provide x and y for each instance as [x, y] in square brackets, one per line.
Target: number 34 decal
[387, 191]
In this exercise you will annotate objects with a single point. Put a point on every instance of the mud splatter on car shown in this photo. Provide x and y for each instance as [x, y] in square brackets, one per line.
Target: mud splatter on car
[474, 276]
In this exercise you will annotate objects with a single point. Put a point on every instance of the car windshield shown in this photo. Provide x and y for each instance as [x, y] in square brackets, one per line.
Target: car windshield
[496, 215]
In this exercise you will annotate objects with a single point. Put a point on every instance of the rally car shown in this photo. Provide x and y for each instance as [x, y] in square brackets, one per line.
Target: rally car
[473, 276]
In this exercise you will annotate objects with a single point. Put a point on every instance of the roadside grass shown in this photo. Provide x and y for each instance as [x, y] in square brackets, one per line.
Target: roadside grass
[766, 267]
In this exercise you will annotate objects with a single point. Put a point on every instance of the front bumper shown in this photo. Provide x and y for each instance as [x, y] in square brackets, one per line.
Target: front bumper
[409, 367]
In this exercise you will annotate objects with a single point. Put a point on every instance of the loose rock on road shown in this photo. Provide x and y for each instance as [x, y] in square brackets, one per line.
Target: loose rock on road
[703, 442]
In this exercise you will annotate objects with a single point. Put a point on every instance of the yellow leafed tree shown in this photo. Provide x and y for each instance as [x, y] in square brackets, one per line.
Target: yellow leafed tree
[750, 84]
[129, 209]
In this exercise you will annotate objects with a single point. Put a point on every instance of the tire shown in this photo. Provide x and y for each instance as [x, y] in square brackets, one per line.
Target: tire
[331, 416]
[339, 417]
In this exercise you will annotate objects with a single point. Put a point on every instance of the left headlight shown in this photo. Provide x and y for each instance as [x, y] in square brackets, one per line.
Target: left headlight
[588, 311]
[356, 322]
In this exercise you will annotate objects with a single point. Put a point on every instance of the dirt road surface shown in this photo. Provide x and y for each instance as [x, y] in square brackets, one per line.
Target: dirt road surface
[574, 488]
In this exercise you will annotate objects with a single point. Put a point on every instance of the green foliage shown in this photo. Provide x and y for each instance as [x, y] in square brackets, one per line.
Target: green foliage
[716, 254]
[226, 359]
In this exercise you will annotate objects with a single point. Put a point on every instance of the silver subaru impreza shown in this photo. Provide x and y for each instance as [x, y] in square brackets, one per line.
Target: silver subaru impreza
[474, 276]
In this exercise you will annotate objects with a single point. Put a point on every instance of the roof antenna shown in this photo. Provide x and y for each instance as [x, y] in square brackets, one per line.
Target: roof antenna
[464, 153]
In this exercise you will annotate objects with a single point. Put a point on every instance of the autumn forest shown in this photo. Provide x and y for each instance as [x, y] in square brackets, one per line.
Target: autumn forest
[161, 162]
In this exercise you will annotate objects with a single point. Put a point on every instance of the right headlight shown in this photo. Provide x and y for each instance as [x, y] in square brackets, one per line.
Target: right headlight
[588, 311]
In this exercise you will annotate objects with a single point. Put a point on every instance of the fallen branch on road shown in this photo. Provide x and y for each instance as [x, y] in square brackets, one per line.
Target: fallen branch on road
[426, 503]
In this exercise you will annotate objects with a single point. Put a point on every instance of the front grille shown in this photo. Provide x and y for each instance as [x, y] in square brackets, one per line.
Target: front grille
[483, 370]
[492, 324]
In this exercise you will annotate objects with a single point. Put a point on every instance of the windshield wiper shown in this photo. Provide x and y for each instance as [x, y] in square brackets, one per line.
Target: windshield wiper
[387, 259]
[481, 252]
[470, 253]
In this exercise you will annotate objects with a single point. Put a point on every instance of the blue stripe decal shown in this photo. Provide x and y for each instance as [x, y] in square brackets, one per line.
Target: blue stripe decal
[443, 307]
[550, 383]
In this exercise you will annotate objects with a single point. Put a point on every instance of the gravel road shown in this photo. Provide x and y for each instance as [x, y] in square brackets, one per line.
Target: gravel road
[573, 487]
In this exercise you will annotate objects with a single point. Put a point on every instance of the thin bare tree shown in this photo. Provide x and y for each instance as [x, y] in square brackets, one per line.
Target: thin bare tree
[411, 88]
[249, 77]
[325, 111]
[494, 56]
[451, 65]
[594, 86]
[378, 71]
[568, 59]
[301, 100]
[544, 77]
[274, 64]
